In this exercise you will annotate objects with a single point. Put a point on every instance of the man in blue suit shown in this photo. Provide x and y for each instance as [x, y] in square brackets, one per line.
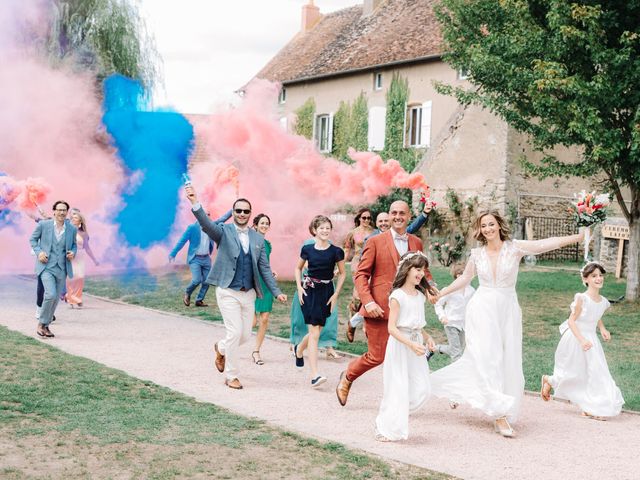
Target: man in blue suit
[240, 263]
[198, 259]
[54, 243]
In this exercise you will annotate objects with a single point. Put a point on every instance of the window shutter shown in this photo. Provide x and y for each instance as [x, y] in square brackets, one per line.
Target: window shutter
[425, 126]
[404, 127]
[330, 134]
[314, 131]
[377, 118]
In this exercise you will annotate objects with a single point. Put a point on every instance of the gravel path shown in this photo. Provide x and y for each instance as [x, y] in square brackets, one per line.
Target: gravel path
[176, 351]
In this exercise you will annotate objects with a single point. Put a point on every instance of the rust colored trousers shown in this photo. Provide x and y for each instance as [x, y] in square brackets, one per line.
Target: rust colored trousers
[377, 336]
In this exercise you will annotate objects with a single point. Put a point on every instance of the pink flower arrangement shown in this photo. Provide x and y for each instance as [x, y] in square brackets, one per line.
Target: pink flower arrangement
[589, 208]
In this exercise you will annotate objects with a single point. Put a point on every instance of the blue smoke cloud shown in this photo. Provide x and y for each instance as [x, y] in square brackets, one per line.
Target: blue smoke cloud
[154, 146]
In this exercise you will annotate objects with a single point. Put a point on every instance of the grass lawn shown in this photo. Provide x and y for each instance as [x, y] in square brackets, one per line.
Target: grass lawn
[68, 417]
[544, 292]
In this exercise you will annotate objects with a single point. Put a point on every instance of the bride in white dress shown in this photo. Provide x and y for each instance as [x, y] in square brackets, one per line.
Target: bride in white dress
[489, 375]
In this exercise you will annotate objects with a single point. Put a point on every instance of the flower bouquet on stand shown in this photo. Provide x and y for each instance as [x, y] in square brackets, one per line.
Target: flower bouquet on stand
[589, 209]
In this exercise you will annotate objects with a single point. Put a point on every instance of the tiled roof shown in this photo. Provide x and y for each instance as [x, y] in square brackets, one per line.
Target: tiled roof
[397, 31]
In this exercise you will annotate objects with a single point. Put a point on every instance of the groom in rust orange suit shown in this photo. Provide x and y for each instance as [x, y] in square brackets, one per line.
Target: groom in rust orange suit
[373, 280]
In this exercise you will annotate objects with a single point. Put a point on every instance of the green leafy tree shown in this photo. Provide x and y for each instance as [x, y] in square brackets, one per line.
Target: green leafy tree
[304, 118]
[105, 36]
[360, 123]
[565, 73]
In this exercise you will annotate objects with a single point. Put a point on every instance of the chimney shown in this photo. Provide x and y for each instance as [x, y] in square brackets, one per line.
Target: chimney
[369, 6]
[310, 16]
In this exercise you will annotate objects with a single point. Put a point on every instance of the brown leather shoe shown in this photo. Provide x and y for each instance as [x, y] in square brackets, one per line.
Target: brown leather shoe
[186, 299]
[342, 390]
[351, 332]
[48, 332]
[219, 359]
[200, 303]
[235, 384]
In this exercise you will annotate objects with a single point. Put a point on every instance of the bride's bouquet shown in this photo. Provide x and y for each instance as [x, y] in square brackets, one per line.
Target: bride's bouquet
[589, 209]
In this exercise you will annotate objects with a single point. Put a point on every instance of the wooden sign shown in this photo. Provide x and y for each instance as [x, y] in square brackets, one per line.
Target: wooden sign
[621, 233]
[615, 231]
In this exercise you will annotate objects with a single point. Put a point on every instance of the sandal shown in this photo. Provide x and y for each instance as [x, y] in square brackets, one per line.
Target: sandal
[381, 438]
[257, 361]
[333, 355]
[545, 394]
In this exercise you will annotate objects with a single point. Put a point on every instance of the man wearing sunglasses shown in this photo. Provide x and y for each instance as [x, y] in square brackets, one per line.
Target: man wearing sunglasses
[54, 243]
[240, 263]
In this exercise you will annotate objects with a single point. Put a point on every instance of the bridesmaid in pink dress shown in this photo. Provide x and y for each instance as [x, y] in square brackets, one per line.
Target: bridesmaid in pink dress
[75, 285]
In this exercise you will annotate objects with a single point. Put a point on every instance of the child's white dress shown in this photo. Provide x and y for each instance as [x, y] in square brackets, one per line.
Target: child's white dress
[405, 375]
[583, 377]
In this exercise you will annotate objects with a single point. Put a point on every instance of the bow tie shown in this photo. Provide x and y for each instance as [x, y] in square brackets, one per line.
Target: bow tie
[404, 237]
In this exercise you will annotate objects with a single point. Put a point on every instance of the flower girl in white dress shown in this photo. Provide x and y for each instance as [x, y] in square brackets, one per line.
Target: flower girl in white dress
[581, 373]
[405, 370]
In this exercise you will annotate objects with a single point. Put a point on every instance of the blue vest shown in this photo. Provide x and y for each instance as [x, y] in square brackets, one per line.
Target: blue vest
[57, 263]
[243, 277]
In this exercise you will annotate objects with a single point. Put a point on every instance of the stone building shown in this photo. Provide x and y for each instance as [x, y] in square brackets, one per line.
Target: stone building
[337, 56]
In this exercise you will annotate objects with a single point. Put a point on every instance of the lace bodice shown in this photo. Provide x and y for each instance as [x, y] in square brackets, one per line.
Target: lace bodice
[506, 264]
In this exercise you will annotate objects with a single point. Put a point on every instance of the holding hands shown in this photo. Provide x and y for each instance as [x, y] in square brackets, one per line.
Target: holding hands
[374, 310]
[586, 345]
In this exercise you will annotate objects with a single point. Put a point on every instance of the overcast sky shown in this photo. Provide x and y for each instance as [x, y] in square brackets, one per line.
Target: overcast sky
[210, 48]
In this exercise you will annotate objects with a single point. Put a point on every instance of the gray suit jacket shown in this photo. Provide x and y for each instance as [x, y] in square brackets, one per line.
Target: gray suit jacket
[42, 240]
[224, 267]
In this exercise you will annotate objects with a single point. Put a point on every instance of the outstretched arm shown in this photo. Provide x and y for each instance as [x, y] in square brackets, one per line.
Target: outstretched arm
[463, 280]
[180, 244]
[224, 217]
[420, 219]
[536, 247]
[87, 249]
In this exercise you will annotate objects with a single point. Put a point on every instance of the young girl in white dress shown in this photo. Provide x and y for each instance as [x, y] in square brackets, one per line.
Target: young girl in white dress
[405, 371]
[581, 373]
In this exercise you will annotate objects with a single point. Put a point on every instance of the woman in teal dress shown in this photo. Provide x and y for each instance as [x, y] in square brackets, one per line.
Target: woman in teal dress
[264, 305]
[328, 335]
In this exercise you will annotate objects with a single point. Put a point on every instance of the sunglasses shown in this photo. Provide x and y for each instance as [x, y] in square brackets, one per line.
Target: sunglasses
[242, 210]
[365, 218]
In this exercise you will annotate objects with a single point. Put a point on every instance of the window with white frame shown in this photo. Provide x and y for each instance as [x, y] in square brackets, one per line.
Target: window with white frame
[418, 125]
[323, 132]
[282, 98]
[463, 73]
[377, 81]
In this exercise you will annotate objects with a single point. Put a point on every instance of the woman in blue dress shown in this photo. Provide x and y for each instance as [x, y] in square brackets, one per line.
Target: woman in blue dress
[316, 293]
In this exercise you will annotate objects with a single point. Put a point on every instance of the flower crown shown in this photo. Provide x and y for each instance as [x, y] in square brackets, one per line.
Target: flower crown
[411, 255]
[587, 264]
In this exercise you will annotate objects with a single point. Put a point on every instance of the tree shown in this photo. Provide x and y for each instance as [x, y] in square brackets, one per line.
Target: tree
[565, 73]
[105, 36]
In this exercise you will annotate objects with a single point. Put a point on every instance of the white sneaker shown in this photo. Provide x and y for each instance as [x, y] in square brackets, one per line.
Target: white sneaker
[319, 380]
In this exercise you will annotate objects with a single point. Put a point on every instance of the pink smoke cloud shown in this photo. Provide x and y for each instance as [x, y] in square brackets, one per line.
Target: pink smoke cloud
[284, 175]
[50, 133]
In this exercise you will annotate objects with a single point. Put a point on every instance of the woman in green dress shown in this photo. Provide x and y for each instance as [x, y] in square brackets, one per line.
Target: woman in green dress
[264, 305]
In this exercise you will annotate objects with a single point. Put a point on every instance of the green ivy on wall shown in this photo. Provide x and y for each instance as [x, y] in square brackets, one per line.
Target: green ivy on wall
[397, 98]
[304, 119]
[350, 128]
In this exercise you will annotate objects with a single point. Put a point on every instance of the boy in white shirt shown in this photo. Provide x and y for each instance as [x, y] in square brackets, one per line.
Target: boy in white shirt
[450, 310]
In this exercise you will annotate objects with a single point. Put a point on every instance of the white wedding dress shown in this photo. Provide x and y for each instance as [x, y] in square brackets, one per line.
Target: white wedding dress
[489, 375]
[583, 377]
